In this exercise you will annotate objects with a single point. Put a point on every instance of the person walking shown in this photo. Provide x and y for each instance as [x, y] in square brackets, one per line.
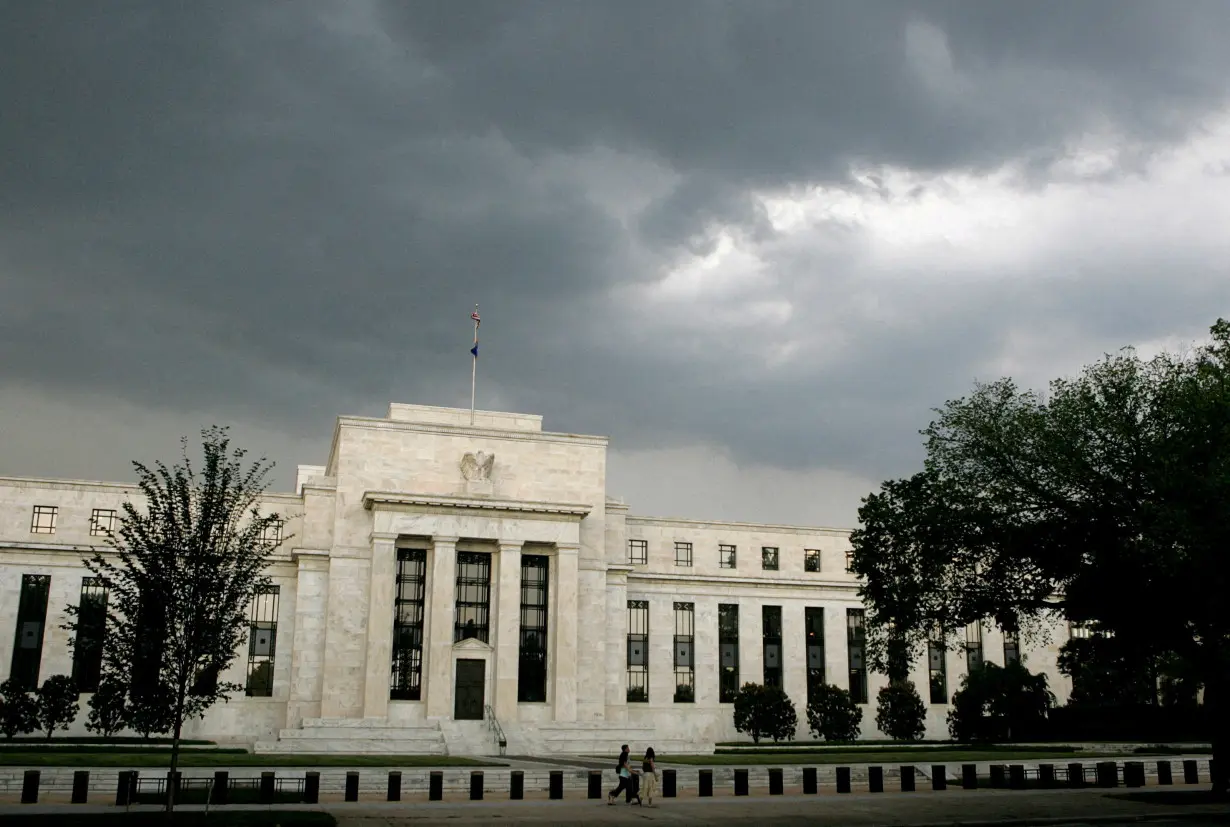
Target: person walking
[649, 769]
[625, 777]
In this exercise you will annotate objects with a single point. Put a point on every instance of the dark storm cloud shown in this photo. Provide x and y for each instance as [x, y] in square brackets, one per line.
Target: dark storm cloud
[285, 211]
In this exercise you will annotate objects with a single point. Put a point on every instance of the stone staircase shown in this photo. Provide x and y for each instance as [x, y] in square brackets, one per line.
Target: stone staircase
[375, 736]
[357, 736]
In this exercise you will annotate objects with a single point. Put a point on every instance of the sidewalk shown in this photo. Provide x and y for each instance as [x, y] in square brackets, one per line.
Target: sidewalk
[963, 807]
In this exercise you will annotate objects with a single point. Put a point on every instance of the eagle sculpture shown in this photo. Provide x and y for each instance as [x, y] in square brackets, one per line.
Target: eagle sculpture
[477, 466]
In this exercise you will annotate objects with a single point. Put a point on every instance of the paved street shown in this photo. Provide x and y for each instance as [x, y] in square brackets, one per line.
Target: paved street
[955, 807]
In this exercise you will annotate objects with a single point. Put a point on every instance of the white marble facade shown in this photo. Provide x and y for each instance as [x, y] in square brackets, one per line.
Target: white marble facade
[424, 478]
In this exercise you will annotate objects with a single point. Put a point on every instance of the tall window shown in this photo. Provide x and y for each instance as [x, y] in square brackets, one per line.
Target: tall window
[406, 677]
[771, 632]
[31, 618]
[685, 666]
[262, 642]
[813, 625]
[532, 664]
[973, 645]
[726, 557]
[43, 520]
[638, 651]
[91, 627]
[850, 562]
[638, 552]
[768, 558]
[473, 617]
[151, 642]
[811, 559]
[102, 522]
[683, 554]
[937, 667]
[1012, 648]
[856, 643]
[728, 652]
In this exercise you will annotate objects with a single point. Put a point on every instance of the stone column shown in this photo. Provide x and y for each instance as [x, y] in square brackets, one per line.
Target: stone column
[508, 632]
[564, 659]
[307, 649]
[380, 626]
[441, 586]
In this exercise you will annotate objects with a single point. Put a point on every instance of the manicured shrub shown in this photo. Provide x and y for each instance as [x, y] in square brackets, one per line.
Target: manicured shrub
[833, 715]
[765, 712]
[900, 713]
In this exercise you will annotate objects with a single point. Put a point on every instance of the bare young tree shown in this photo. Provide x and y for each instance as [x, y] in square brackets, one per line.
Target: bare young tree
[181, 574]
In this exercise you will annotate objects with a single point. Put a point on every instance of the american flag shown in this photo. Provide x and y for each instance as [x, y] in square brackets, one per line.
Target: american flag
[474, 316]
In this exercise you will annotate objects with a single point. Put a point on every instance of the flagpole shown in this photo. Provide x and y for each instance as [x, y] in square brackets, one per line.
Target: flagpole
[474, 366]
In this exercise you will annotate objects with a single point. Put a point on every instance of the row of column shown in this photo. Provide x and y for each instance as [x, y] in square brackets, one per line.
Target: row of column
[438, 669]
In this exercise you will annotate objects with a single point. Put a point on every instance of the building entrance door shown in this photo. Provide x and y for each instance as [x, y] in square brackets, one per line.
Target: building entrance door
[468, 692]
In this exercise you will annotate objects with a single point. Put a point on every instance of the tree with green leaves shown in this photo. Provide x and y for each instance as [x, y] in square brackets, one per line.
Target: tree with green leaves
[57, 704]
[999, 703]
[1108, 671]
[108, 707]
[1106, 500]
[182, 571]
[833, 715]
[900, 713]
[18, 710]
[765, 712]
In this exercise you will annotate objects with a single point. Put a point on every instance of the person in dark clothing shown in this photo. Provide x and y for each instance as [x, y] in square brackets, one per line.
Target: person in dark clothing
[627, 779]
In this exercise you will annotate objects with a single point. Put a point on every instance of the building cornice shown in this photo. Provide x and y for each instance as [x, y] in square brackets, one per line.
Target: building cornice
[793, 583]
[679, 522]
[114, 487]
[374, 424]
[374, 500]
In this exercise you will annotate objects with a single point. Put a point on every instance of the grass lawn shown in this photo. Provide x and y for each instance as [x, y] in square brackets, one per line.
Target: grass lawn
[888, 756]
[67, 757]
[218, 818]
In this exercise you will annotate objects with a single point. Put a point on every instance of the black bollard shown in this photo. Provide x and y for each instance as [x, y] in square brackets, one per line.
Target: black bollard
[1108, 774]
[516, 785]
[1076, 775]
[268, 785]
[1164, 776]
[939, 777]
[352, 786]
[704, 784]
[81, 786]
[668, 784]
[1191, 775]
[220, 794]
[29, 787]
[843, 779]
[875, 779]
[776, 786]
[476, 785]
[907, 779]
[595, 783]
[740, 782]
[810, 785]
[1046, 775]
[556, 785]
[999, 776]
[1016, 776]
[1134, 773]
[394, 793]
[123, 789]
[969, 776]
[311, 788]
[435, 786]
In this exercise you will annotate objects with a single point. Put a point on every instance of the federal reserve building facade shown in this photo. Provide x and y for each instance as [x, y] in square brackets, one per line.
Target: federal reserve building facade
[442, 586]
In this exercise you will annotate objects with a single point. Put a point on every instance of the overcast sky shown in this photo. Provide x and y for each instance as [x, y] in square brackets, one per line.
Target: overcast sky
[754, 243]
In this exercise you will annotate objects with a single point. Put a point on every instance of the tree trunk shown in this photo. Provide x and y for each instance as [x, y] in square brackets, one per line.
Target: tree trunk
[1215, 702]
[179, 726]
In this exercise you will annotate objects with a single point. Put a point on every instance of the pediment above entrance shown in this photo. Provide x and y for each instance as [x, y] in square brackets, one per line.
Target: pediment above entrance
[472, 646]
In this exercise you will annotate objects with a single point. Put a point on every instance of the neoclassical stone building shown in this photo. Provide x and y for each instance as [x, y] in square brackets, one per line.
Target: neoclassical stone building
[443, 585]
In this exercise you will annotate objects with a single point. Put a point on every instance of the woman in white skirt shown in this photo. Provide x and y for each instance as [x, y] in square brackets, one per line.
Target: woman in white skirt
[650, 771]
